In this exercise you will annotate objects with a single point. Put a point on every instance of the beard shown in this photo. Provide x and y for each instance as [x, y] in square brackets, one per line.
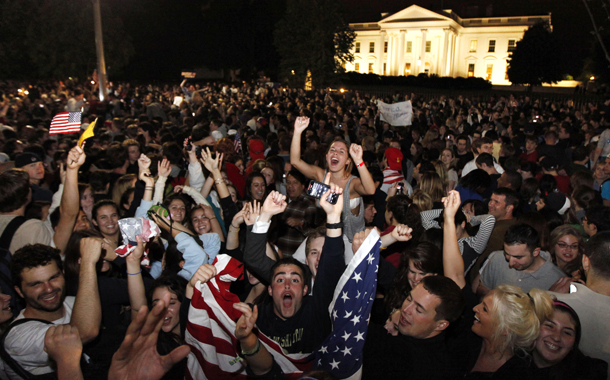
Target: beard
[38, 304]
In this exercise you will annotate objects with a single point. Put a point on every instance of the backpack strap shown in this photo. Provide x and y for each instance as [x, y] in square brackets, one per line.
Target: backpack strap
[9, 231]
[8, 359]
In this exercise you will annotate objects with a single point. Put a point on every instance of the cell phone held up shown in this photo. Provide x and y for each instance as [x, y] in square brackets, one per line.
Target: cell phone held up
[400, 188]
[317, 189]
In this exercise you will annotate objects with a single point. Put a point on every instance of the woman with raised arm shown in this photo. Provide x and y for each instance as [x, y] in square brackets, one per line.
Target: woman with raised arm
[504, 325]
[340, 160]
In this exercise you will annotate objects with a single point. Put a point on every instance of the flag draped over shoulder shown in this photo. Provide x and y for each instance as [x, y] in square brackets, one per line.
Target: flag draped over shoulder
[350, 310]
[211, 327]
[397, 114]
[65, 122]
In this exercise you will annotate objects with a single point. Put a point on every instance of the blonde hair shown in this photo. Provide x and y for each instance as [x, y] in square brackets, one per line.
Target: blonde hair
[121, 185]
[441, 171]
[348, 167]
[430, 136]
[432, 185]
[518, 316]
[422, 200]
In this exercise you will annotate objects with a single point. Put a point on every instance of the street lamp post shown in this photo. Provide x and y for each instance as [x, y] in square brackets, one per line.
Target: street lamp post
[99, 48]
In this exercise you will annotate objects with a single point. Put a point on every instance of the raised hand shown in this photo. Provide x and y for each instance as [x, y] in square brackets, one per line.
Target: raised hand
[252, 212]
[137, 358]
[143, 162]
[452, 203]
[239, 217]
[245, 323]
[164, 168]
[210, 163]
[332, 210]
[76, 158]
[355, 151]
[300, 124]
[204, 274]
[63, 343]
[275, 203]
[90, 250]
[402, 232]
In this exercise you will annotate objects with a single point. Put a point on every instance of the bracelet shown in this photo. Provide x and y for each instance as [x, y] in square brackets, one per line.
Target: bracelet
[133, 274]
[235, 230]
[234, 226]
[219, 180]
[149, 187]
[254, 351]
[360, 164]
[334, 225]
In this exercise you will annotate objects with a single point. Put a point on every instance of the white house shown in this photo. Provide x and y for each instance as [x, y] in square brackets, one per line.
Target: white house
[417, 40]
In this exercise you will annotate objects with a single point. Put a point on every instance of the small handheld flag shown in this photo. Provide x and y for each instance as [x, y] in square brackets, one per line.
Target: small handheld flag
[65, 122]
[88, 133]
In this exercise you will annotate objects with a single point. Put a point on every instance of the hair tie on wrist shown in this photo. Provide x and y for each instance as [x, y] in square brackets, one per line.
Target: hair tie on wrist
[133, 274]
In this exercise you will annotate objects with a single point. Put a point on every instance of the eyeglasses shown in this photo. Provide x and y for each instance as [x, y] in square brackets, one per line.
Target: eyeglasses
[563, 245]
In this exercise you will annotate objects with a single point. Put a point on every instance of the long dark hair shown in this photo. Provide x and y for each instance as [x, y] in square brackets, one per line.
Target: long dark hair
[248, 193]
[426, 257]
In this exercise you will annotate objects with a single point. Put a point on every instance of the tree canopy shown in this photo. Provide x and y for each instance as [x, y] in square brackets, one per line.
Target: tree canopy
[55, 39]
[536, 58]
[314, 37]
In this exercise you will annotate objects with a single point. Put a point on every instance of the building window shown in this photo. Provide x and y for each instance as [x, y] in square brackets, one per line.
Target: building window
[512, 44]
[370, 68]
[385, 47]
[409, 46]
[407, 69]
[470, 70]
[473, 46]
[492, 46]
[385, 65]
[357, 67]
[490, 68]
[371, 47]
[428, 46]
[357, 47]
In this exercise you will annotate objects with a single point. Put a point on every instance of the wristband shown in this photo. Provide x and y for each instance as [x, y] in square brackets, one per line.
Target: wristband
[133, 274]
[234, 226]
[360, 164]
[334, 225]
[254, 351]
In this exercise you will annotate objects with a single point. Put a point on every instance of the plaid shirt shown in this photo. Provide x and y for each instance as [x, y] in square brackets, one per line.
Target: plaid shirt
[302, 208]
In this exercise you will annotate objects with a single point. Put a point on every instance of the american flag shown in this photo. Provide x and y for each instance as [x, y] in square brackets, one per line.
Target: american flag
[350, 310]
[211, 327]
[237, 143]
[65, 122]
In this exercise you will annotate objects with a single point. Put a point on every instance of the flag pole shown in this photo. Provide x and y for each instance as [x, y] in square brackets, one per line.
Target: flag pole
[99, 47]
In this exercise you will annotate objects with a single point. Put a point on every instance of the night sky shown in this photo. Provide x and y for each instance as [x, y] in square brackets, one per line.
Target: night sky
[169, 36]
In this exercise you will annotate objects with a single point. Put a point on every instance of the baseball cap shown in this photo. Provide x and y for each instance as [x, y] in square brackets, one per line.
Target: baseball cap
[394, 157]
[26, 158]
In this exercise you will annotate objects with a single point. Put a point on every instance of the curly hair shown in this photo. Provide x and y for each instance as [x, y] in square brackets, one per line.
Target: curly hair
[32, 256]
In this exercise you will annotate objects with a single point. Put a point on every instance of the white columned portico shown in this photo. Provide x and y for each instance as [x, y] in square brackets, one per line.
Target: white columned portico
[401, 53]
[390, 57]
[446, 59]
[381, 52]
[422, 52]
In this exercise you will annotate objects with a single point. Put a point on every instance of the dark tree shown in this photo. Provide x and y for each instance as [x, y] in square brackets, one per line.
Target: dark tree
[536, 59]
[55, 39]
[314, 37]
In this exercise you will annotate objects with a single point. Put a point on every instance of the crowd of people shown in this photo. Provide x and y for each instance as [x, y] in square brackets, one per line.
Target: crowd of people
[493, 217]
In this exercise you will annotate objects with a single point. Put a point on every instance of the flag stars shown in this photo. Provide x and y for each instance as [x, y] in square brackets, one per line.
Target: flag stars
[357, 277]
[347, 314]
[334, 364]
[346, 351]
[370, 259]
[335, 316]
[344, 296]
[323, 349]
[359, 336]
[356, 319]
[346, 335]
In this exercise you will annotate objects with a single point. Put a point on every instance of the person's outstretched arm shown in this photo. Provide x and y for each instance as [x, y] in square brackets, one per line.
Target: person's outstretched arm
[70, 204]
[87, 312]
[366, 185]
[309, 171]
[453, 263]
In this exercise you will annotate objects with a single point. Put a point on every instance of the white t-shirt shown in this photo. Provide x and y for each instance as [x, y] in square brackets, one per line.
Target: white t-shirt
[25, 343]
